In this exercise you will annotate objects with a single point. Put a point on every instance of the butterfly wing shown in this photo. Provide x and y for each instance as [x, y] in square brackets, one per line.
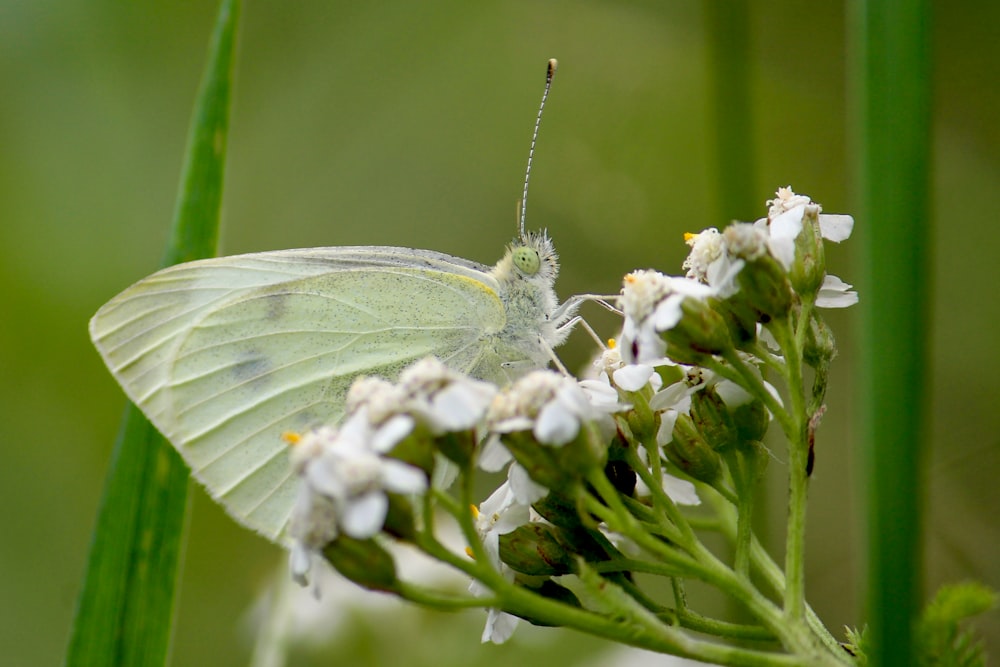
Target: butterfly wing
[224, 355]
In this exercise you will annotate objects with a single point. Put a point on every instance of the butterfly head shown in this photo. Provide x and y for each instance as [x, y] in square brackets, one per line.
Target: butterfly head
[531, 257]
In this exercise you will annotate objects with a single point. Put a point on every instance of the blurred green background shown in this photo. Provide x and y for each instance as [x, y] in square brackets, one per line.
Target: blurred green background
[408, 124]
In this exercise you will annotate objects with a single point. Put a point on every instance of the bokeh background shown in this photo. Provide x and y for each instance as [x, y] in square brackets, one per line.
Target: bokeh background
[407, 124]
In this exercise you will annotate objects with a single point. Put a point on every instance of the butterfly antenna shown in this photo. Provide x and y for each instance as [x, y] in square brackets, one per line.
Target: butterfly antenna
[550, 72]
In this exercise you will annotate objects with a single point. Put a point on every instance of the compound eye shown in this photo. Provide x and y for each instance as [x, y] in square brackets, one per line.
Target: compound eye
[527, 260]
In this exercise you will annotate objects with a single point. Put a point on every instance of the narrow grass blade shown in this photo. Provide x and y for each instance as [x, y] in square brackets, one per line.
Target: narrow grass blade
[892, 76]
[124, 612]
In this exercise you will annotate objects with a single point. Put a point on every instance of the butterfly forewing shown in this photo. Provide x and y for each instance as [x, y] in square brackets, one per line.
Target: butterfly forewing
[225, 355]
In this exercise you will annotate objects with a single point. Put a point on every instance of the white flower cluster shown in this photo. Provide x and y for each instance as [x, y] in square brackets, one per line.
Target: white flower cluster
[346, 471]
[652, 302]
[715, 258]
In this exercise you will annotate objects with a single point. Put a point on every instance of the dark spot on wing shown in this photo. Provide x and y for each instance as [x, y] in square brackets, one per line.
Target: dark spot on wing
[277, 305]
[252, 365]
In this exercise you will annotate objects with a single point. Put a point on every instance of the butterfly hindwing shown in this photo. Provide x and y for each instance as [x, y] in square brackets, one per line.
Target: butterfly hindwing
[224, 355]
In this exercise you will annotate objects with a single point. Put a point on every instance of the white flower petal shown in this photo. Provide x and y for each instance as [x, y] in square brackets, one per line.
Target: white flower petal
[601, 395]
[668, 312]
[570, 396]
[513, 424]
[556, 425]
[783, 230]
[323, 475]
[364, 515]
[498, 502]
[493, 456]
[665, 434]
[513, 518]
[500, 626]
[461, 405]
[722, 275]
[400, 477]
[355, 428]
[680, 491]
[525, 490]
[391, 432]
[835, 293]
[835, 228]
[633, 377]
[670, 396]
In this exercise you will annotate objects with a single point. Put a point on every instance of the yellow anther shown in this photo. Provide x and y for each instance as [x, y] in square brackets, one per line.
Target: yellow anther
[688, 236]
[612, 343]
[291, 437]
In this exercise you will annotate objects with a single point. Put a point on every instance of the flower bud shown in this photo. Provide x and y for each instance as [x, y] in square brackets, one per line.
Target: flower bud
[701, 331]
[820, 345]
[362, 561]
[689, 451]
[535, 549]
[711, 417]
[751, 420]
[741, 319]
[560, 510]
[557, 467]
[809, 267]
[399, 521]
[763, 280]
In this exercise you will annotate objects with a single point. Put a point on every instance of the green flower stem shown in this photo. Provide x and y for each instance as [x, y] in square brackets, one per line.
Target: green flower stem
[803, 320]
[796, 636]
[441, 601]
[653, 480]
[430, 546]
[766, 357]
[632, 529]
[798, 481]
[704, 566]
[654, 522]
[694, 621]
[742, 471]
[479, 566]
[624, 621]
[764, 568]
[636, 630]
[663, 614]
[635, 565]
[706, 523]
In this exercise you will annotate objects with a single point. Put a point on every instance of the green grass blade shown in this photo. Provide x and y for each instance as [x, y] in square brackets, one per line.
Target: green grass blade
[124, 612]
[892, 86]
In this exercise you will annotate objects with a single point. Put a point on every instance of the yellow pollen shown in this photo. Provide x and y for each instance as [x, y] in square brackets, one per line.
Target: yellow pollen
[475, 511]
[612, 343]
[291, 437]
[688, 236]
[469, 553]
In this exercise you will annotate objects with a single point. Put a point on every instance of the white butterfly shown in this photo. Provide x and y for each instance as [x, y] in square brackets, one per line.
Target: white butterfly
[224, 355]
